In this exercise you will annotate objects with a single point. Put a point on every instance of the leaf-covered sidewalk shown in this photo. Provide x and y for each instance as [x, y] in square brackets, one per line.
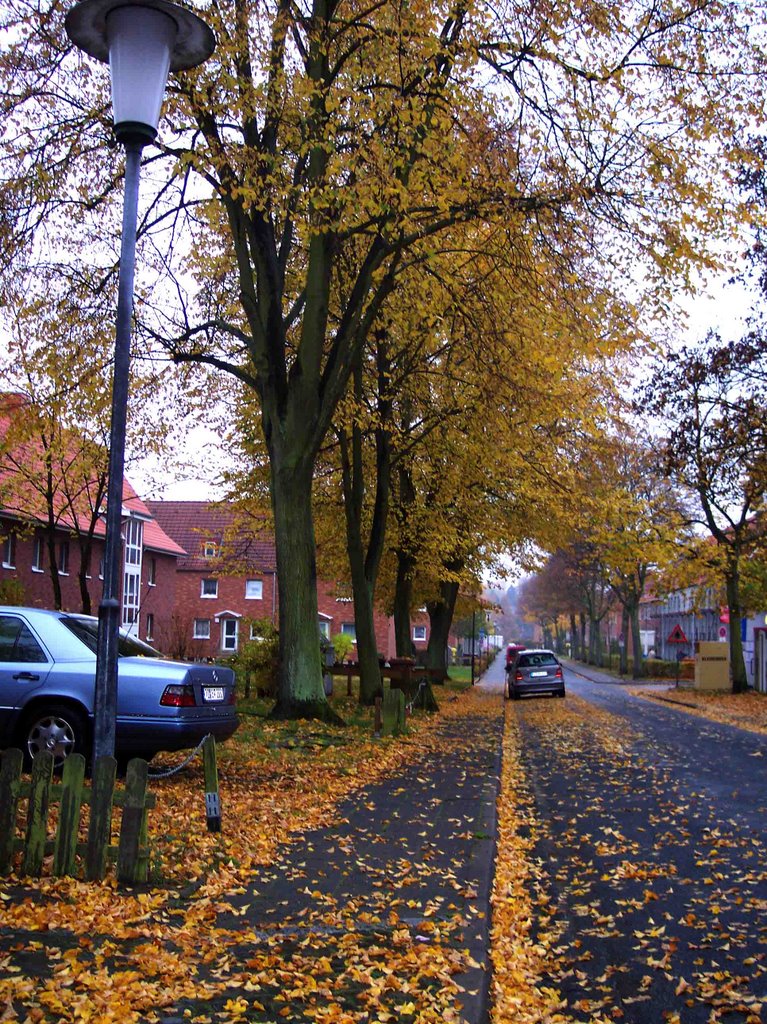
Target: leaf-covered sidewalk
[350, 883]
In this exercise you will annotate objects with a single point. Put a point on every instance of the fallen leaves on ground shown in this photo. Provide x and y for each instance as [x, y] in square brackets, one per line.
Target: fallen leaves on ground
[100, 953]
[744, 710]
[631, 889]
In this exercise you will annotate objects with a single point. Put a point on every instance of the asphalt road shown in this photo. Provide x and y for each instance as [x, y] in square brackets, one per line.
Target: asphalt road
[652, 828]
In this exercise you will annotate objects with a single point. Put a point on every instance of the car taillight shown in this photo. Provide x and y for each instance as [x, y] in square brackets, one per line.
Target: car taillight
[178, 697]
[558, 674]
[519, 677]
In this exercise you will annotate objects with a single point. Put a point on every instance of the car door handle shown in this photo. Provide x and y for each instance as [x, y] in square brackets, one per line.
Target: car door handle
[28, 676]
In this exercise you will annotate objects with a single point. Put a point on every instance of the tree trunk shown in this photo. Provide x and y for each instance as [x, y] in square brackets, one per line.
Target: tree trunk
[362, 592]
[86, 555]
[737, 661]
[440, 621]
[403, 598]
[364, 563]
[300, 691]
[595, 642]
[624, 647]
[636, 642]
[575, 650]
[53, 565]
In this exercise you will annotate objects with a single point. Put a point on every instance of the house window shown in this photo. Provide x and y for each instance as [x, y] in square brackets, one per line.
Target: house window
[201, 629]
[350, 630]
[209, 588]
[9, 551]
[210, 549]
[419, 632]
[38, 554]
[229, 634]
[134, 539]
[150, 626]
[131, 596]
[63, 563]
[254, 590]
[324, 628]
[152, 572]
[101, 566]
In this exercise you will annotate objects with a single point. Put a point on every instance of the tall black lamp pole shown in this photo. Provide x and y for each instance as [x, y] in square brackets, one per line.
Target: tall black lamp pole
[142, 41]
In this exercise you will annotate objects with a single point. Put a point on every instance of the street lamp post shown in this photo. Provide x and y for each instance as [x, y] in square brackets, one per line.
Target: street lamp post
[142, 41]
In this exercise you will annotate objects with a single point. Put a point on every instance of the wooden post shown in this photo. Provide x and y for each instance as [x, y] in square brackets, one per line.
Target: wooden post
[100, 828]
[377, 720]
[348, 679]
[393, 713]
[212, 796]
[37, 813]
[134, 812]
[10, 789]
[65, 849]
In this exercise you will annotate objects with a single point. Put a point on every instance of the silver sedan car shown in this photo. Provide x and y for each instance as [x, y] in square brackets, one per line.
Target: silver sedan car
[47, 680]
[534, 672]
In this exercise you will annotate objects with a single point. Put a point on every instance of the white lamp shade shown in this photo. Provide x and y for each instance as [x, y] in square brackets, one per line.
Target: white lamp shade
[140, 40]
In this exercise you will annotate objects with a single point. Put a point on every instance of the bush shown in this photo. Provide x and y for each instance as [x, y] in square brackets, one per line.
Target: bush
[256, 661]
[343, 645]
[12, 592]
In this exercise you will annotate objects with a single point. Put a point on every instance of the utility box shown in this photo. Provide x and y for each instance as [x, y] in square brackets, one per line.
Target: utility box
[712, 665]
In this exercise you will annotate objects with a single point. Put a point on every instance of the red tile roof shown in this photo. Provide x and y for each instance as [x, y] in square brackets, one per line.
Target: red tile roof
[243, 545]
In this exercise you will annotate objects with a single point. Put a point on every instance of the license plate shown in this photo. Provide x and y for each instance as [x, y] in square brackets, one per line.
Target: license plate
[539, 673]
[212, 693]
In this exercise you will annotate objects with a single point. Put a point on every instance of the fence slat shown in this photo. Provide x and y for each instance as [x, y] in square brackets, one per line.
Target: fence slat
[100, 828]
[132, 820]
[37, 815]
[10, 791]
[64, 854]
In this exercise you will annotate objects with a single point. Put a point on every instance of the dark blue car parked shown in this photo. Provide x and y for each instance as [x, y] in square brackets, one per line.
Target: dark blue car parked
[47, 679]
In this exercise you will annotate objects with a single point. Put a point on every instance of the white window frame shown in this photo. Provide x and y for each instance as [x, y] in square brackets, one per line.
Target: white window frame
[258, 586]
[349, 629]
[133, 530]
[38, 552]
[208, 597]
[150, 625]
[419, 632]
[151, 576]
[210, 549]
[62, 562]
[324, 627]
[9, 551]
[205, 633]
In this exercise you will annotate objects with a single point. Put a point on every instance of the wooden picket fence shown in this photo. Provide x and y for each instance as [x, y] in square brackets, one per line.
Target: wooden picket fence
[70, 855]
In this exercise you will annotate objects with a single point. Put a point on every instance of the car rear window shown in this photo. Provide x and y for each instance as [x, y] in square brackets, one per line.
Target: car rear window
[526, 660]
[127, 647]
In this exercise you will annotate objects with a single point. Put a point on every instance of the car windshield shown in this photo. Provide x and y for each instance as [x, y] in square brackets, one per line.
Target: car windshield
[525, 660]
[86, 629]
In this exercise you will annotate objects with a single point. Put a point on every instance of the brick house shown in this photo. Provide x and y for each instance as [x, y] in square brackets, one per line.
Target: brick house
[227, 579]
[38, 541]
[149, 569]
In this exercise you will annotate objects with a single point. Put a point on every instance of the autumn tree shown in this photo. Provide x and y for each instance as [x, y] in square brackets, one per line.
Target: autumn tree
[297, 169]
[714, 447]
[636, 525]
